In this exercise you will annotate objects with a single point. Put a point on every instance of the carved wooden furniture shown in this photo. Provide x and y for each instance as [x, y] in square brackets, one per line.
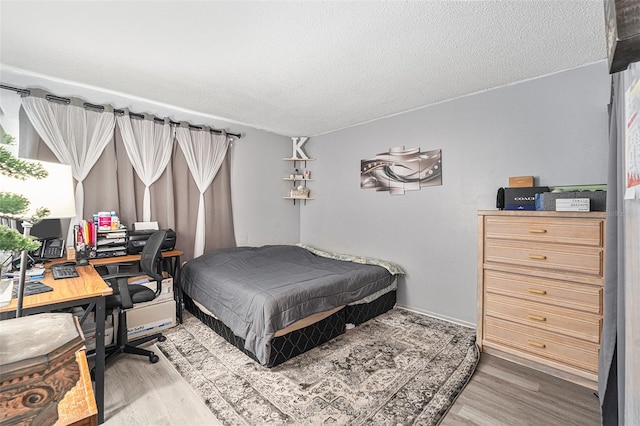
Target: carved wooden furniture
[37, 367]
[78, 407]
[87, 289]
[540, 284]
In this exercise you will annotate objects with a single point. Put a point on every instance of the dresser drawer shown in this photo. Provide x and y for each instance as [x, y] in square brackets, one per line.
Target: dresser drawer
[563, 294]
[545, 317]
[566, 350]
[587, 232]
[540, 289]
[583, 260]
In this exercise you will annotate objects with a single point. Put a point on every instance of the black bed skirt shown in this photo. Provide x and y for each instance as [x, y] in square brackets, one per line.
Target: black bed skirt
[357, 314]
[299, 341]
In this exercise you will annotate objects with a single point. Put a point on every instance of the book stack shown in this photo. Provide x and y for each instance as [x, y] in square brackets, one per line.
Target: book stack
[84, 236]
[32, 274]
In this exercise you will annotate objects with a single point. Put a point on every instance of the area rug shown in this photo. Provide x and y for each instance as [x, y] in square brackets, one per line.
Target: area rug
[398, 368]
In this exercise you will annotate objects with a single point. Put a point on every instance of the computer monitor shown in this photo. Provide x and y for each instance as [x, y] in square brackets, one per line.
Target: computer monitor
[47, 228]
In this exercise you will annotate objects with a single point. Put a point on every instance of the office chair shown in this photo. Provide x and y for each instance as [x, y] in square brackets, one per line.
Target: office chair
[125, 295]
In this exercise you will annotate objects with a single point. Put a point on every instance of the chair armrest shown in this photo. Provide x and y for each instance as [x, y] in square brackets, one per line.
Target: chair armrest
[112, 268]
[125, 296]
[120, 277]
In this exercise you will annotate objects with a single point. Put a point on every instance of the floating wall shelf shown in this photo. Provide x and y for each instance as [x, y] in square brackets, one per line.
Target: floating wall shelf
[298, 179]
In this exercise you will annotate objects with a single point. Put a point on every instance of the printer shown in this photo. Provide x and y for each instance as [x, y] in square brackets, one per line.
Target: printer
[138, 238]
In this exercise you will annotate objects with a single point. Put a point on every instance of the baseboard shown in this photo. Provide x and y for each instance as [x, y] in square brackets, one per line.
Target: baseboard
[438, 316]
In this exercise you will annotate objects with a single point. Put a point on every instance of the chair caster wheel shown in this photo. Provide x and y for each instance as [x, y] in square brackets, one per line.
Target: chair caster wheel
[153, 358]
[162, 338]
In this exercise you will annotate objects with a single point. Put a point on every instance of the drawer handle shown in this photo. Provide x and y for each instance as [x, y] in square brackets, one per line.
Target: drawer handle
[538, 231]
[536, 344]
[537, 257]
[536, 291]
[536, 317]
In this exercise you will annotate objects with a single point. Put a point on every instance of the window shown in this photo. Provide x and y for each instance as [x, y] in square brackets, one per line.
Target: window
[9, 122]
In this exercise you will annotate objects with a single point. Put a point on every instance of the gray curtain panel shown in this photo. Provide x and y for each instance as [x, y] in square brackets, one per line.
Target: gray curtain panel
[112, 184]
[617, 368]
[217, 199]
[131, 191]
[101, 192]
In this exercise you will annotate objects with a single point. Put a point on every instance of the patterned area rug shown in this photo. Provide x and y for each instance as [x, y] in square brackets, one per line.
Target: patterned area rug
[398, 368]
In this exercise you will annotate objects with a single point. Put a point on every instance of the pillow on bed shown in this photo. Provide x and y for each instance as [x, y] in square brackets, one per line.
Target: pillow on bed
[389, 266]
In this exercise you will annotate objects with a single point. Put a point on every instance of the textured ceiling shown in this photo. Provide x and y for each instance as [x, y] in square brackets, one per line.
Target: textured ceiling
[300, 68]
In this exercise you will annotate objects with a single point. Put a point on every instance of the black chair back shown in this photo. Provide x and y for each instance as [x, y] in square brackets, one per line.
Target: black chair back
[151, 257]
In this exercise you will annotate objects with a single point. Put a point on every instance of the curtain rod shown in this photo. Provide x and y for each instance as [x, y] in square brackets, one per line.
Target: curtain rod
[53, 98]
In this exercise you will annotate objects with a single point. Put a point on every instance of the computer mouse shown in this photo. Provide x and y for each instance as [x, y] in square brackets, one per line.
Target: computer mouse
[71, 263]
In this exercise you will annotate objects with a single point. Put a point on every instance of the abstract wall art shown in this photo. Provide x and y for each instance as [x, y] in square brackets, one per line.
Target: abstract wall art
[401, 170]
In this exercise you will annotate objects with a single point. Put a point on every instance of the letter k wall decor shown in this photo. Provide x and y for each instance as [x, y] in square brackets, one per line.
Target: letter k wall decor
[298, 152]
[401, 170]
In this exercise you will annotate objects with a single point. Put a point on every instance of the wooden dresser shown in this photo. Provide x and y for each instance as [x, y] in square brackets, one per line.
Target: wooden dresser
[540, 284]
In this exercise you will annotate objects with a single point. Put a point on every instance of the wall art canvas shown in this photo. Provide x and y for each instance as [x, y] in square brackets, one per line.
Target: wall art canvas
[401, 170]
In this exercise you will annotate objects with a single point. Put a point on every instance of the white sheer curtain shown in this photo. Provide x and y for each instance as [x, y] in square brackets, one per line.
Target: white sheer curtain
[149, 145]
[76, 136]
[204, 153]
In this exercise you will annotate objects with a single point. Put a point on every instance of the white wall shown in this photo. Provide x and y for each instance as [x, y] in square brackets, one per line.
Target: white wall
[554, 128]
[260, 214]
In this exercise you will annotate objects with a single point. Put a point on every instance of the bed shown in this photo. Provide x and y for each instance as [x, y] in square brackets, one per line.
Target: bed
[275, 302]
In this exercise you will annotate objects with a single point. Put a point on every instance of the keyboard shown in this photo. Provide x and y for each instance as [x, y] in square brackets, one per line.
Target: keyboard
[31, 288]
[64, 271]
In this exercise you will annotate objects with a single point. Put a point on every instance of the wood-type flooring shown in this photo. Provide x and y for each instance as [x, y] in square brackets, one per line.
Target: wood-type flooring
[499, 393]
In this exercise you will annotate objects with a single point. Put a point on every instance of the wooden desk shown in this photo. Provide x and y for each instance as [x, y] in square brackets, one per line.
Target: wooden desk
[87, 289]
[171, 255]
[129, 258]
[88, 285]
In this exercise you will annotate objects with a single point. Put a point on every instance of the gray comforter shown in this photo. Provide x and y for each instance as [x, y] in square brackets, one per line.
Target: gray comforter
[257, 291]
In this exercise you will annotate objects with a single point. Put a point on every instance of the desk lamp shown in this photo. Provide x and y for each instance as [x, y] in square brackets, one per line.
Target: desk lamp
[54, 192]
